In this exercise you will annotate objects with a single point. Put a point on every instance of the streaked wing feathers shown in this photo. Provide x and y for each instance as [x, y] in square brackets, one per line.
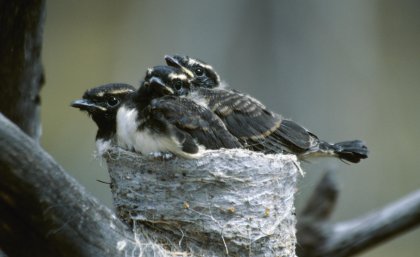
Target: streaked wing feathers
[255, 126]
[297, 138]
[243, 115]
[205, 127]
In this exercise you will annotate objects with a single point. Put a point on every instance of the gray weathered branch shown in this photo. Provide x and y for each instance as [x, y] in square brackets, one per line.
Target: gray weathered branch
[21, 74]
[317, 236]
[229, 202]
[45, 212]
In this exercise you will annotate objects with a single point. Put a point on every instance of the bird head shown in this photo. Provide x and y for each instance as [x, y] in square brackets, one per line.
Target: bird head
[102, 102]
[203, 75]
[167, 80]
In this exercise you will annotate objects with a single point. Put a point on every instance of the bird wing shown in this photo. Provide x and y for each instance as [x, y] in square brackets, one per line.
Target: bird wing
[297, 138]
[250, 121]
[200, 123]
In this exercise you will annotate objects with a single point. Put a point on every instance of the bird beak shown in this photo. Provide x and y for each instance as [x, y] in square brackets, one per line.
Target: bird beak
[171, 61]
[158, 84]
[86, 105]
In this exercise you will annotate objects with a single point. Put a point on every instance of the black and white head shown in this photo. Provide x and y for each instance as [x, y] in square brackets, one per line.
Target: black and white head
[168, 80]
[102, 103]
[203, 74]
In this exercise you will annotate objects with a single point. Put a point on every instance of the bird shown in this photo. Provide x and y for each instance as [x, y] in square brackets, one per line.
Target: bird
[153, 119]
[202, 74]
[256, 127]
[102, 103]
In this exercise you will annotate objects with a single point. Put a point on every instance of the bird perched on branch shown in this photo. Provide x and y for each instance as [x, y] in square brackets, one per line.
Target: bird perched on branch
[256, 127]
[152, 119]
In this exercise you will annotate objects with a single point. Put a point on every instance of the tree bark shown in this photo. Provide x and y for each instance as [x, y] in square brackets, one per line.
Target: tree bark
[21, 26]
[45, 212]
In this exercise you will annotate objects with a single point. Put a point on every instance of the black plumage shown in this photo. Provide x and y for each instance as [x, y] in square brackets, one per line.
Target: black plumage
[102, 104]
[251, 122]
[154, 119]
[201, 73]
[188, 117]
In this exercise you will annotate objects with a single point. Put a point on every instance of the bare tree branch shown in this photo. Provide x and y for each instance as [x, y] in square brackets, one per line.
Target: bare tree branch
[356, 235]
[21, 26]
[321, 204]
[45, 212]
[317, 236]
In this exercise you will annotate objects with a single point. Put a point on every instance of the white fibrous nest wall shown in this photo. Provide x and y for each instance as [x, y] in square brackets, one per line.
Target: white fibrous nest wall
[226, 203]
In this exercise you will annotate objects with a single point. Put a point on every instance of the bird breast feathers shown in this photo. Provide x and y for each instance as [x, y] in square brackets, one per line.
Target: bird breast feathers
[143, 141]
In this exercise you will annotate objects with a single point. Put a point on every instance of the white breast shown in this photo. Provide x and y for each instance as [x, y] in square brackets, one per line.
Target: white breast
[102, 146]
[126, 127]
[143, 141]
[147, 142]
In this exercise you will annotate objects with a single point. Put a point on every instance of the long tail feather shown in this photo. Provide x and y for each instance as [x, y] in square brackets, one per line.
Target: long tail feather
[352, 151]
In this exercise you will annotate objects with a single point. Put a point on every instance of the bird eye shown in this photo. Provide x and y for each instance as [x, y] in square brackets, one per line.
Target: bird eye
[178, 84]
[198, 71]
[113, 101]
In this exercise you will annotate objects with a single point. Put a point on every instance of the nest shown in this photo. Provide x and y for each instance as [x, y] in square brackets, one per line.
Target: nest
[228, 202]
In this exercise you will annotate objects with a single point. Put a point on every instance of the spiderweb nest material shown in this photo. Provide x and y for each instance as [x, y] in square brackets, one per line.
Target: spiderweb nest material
[226, 203]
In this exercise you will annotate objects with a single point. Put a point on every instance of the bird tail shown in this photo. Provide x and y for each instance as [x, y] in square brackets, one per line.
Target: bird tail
[352, 151]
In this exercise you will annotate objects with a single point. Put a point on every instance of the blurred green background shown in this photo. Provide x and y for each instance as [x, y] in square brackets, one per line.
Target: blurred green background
[344, 69]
